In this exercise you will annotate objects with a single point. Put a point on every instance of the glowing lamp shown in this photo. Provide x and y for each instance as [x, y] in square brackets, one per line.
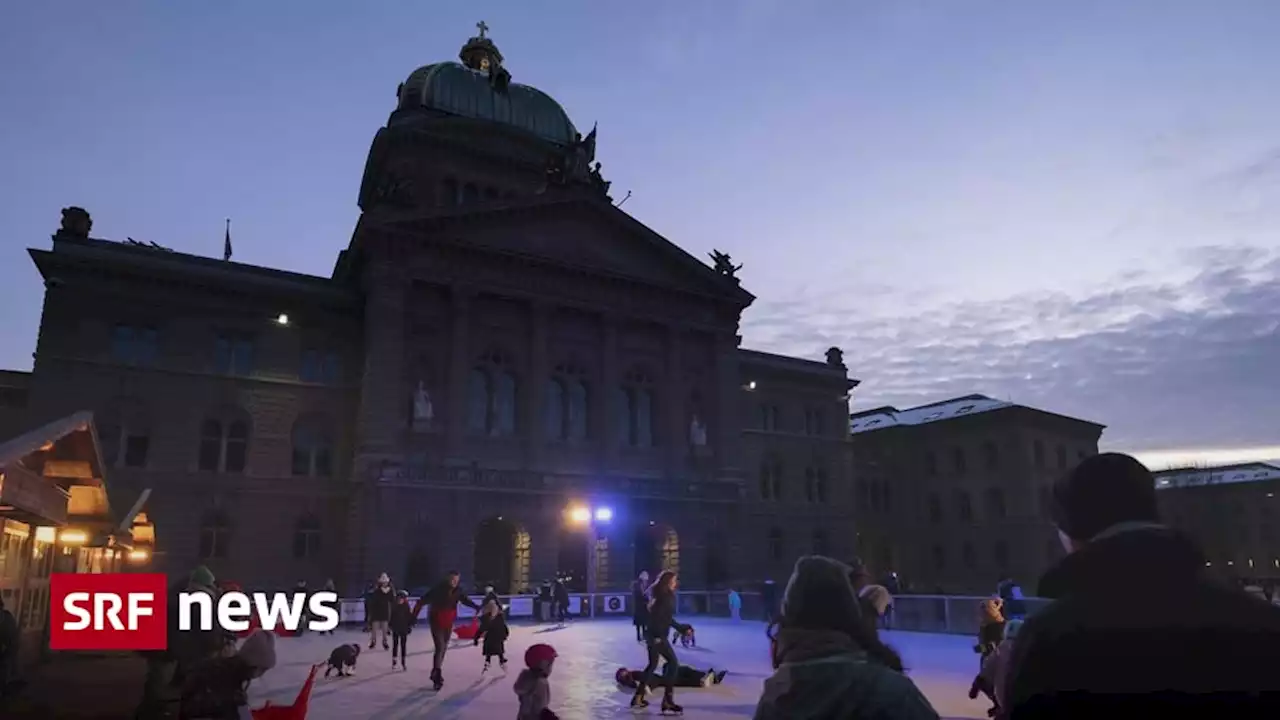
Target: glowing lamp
[604, 514]
[74, 537]
[138, 555]
[580, 515]
[282, 319]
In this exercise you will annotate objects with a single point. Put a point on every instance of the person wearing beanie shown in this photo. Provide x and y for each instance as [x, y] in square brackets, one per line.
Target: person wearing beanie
[378, 606]
[828, 664]
[1137, 626]
[218, 689]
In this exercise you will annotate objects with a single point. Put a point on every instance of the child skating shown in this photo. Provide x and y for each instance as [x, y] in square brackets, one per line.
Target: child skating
[533, 686]
[400, 624]
[495, 636]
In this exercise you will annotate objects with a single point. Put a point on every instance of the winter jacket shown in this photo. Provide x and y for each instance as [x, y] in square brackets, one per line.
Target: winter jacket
[402, 620]
[823, 675]
[561, 593]
[378, 604]
[192, 647]
[1138, 629]
[496, 633]
[442, 605]
[534, 692]
[662, 611]
[990, 635]
[216, 690]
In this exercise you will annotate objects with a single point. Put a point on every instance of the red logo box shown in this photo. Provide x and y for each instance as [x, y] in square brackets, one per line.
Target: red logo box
[115, 611]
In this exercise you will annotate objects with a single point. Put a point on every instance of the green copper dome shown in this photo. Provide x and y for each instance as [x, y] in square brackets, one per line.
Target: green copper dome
[481, 89]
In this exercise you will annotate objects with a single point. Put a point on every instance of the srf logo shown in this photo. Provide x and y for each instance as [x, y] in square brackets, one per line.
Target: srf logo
[108, 612]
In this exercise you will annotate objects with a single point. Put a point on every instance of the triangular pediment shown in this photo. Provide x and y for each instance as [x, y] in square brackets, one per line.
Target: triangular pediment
[582, 233]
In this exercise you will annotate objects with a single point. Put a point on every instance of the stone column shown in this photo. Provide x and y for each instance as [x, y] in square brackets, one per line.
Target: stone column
[606, 398]
[460, 360]
[535, 384]
[676, 425]
[380, 421]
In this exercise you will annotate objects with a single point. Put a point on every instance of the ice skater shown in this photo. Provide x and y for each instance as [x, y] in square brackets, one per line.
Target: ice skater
[685, 677]
[533, 686]
[735, 605]
[401, 624]
[662, 608]
[495, 635]
[561, 600]
[441, 602]
[378, 607]
[640, 604]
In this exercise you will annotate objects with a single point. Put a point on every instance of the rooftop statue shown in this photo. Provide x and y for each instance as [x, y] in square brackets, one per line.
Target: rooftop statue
[75, 222]
[724, 265]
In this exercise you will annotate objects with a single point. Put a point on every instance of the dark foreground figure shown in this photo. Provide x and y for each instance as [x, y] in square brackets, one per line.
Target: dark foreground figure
[1138, 628]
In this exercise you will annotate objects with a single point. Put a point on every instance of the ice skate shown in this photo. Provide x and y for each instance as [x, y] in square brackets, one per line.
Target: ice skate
[637, 700]
[486, 667]
[386, 645]
[393, 664]
[437, 679]
[502, 665]
[669, 706]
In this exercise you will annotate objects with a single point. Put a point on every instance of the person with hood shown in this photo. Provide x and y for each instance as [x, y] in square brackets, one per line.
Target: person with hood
[378, 606]
[533, 685]
[662, 611]
[1137, 627]
[490, 597]
[640, 604]
[441, 602]
[877, 605]
[496, 633]
[828, 664]
[218, 688]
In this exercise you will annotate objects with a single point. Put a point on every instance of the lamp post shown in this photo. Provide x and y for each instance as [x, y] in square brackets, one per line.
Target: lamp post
[588, 518]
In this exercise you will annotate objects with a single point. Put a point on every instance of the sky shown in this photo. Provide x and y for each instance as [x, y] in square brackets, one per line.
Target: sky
[1073, 205]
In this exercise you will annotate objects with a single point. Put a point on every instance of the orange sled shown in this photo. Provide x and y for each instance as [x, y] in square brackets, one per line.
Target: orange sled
[296, 711]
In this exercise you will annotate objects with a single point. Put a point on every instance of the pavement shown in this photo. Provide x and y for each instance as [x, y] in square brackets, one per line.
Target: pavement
[108, 687]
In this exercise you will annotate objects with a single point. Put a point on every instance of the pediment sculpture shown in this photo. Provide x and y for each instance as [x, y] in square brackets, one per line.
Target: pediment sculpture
[423, 411]
[76, 222]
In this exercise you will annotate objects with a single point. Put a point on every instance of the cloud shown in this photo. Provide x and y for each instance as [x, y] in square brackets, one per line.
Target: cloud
[1190, 363]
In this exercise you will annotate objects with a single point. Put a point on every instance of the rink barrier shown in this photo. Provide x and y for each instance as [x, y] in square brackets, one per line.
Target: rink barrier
[954, 614]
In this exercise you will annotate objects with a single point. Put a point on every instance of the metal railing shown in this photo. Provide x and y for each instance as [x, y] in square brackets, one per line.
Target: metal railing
[954, 614]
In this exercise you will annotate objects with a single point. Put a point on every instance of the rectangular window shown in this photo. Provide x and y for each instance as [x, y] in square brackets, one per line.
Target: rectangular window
[233, 355]
[135, 450]
[134, 345]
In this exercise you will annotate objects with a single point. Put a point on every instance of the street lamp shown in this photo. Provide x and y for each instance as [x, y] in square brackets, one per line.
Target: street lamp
[588, 519]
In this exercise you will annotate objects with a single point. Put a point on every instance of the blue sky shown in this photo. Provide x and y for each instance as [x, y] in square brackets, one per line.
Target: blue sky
[1070, 204]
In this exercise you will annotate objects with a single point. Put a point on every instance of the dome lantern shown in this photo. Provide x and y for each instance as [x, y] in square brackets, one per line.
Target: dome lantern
[482, 55]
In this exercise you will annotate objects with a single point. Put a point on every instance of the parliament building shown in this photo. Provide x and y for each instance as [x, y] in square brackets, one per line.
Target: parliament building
[504, 374]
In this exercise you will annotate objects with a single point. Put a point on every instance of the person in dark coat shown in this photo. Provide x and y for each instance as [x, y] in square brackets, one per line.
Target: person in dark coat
[441, 602]
[8, 647]
[662, 611]
[1137, 628]
[769, 598]
[495, 634]
[401, 624]
[379, 603]
[1015, 605]
[561, 600]
[640, 605]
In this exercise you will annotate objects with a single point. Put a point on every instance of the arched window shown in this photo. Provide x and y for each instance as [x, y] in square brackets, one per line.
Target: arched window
[771, 480]
[312, 448]
[124, 434]
[224, 442]
[820, 543]
[775, 543]
[885, 496]
[567, 404]
[215, 535]
[820, 481]
[306, 537]
[638, 398]
[492, 396]
[810, 485]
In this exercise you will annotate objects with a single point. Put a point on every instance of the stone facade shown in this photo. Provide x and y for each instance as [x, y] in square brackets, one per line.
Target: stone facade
[955, 504]
[498, 345]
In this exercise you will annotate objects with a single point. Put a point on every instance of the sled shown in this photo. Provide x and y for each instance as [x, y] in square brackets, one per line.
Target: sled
[468, 632]
[296, 711]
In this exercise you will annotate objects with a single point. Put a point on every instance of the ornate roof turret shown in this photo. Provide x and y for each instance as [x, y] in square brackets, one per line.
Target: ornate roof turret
[480, 53]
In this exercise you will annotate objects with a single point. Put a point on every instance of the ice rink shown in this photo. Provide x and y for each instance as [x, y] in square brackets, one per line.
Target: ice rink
[582, 685]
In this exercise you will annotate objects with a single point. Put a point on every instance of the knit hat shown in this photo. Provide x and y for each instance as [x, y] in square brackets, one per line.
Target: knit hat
[202, 577]
[1103, 491]
[259, 650]
[819, 596]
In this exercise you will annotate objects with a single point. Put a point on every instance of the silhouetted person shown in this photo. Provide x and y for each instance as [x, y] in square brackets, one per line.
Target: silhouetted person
[1137, 627]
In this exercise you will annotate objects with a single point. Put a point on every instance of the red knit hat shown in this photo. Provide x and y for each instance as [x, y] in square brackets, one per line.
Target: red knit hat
[539, 655]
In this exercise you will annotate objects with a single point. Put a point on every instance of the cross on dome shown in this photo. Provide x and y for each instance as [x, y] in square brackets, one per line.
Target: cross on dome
[483, 27]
